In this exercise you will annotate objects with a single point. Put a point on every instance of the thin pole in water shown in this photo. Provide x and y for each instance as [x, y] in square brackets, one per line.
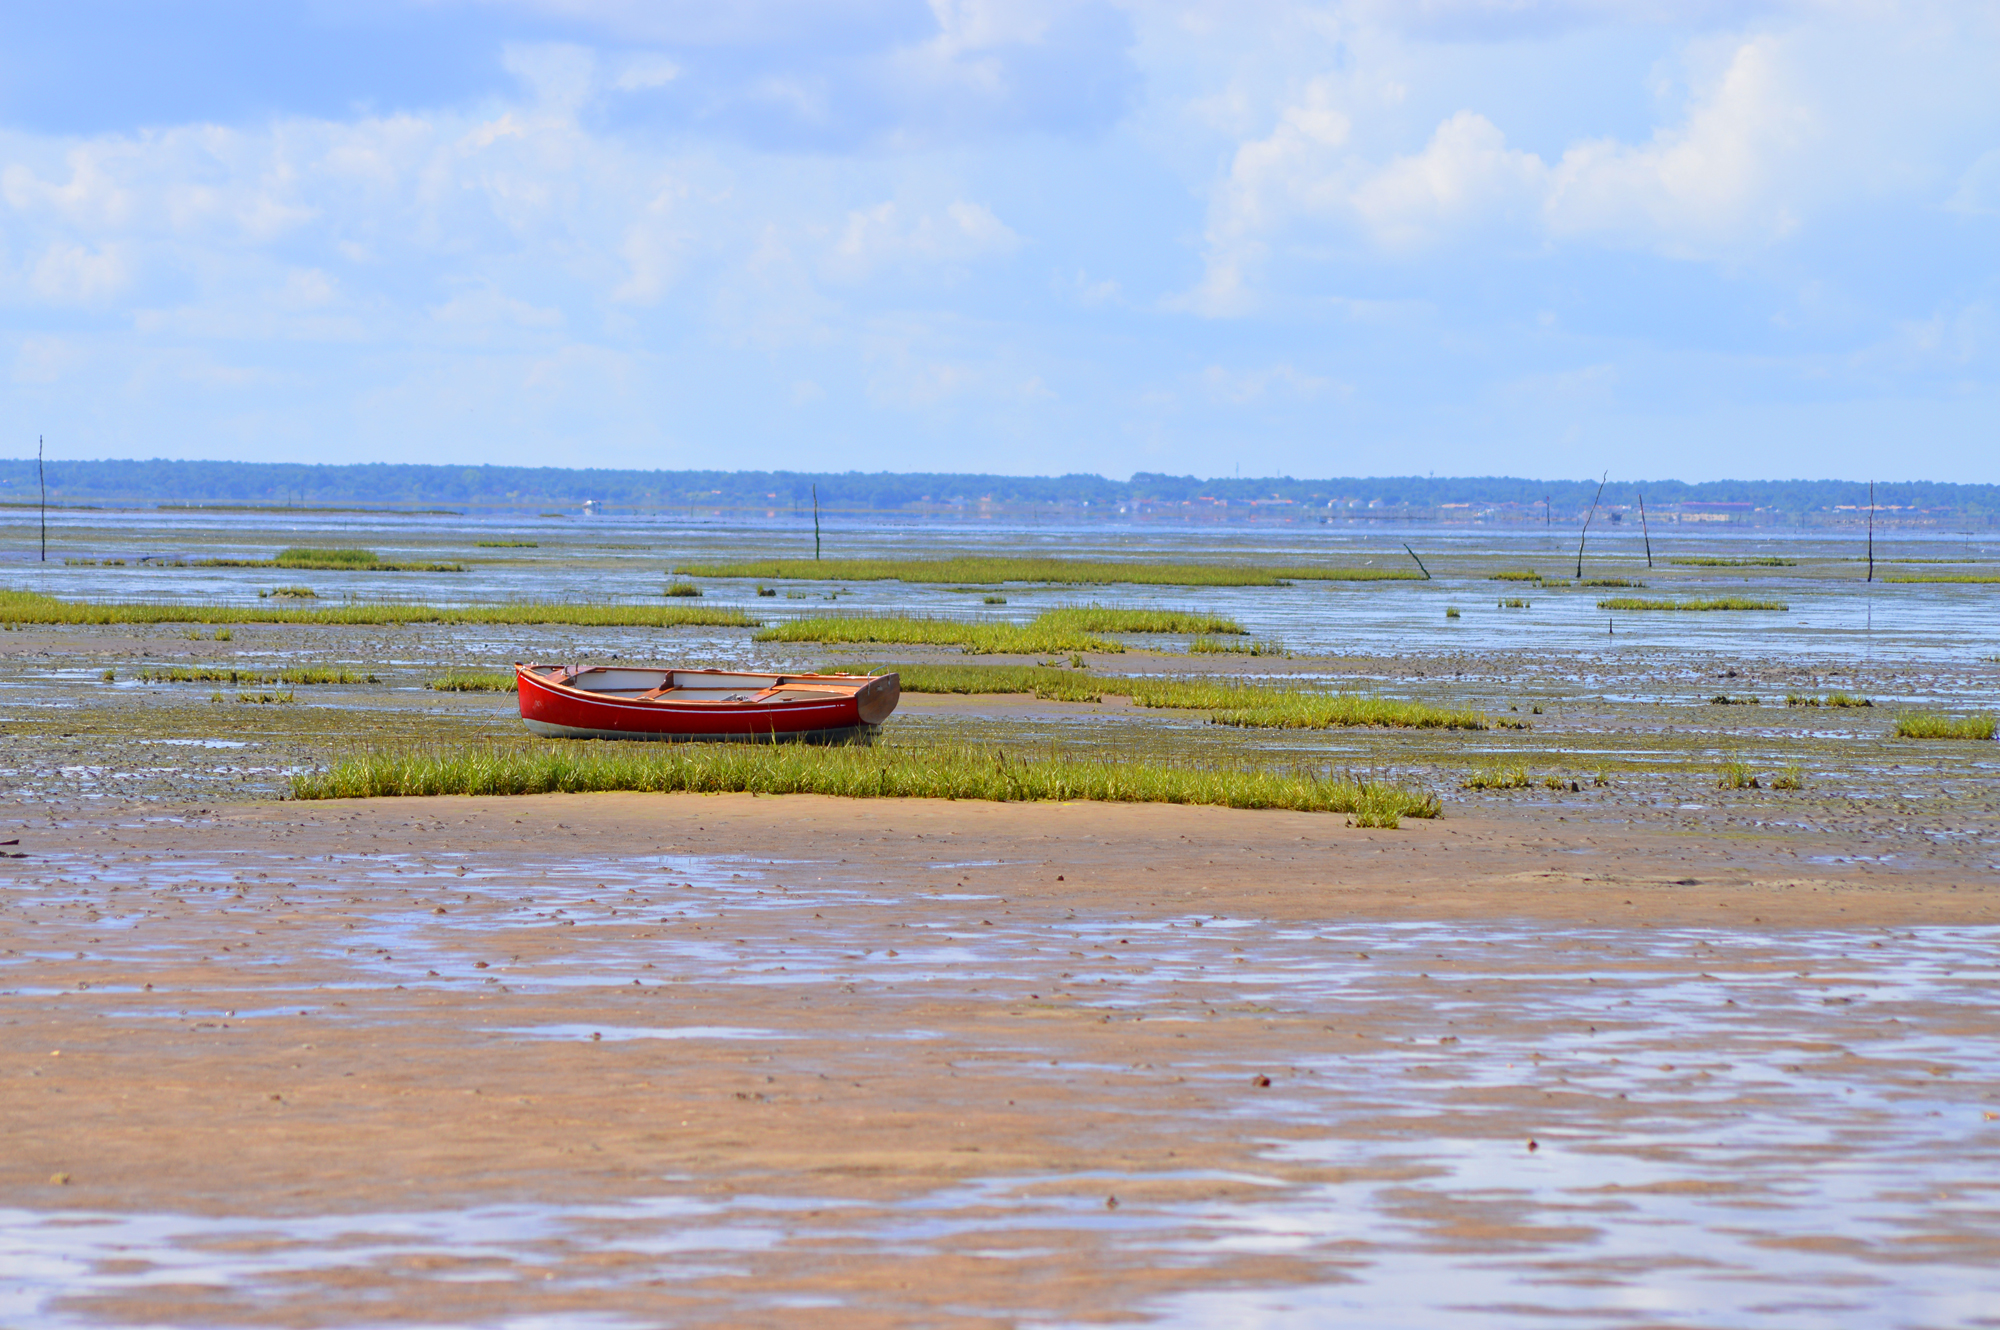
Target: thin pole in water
[42, 476]
[815, 522]
[1586, 525]
[1420, 563]
[1643, 530]
[1871, 531]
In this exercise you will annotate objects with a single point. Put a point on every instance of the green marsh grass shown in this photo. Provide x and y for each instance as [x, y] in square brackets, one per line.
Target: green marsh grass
[1715, 603]
[266, 699]
[1247, 705]
[472, 681]
[303, 676]
[365, 561]
[1830, 700]
[1725, 700]
[1608, 582]
[1515, 603]
[1075, 572]
[289, 593]
[1736, 776]
[1520, 575]
[1793, 777]
[1498, 776]
[31, 607]
[1937, 725]
[1451, 612]
[683, 589]
[940, 772]
[1714, 561]
[1073, 628]
[1967, 578]
[508, 544]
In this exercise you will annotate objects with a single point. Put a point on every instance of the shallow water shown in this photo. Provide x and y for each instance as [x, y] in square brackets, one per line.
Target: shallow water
[1773, 1128]
[625, 558]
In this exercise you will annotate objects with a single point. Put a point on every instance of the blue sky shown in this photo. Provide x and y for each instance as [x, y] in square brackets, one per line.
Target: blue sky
[1692, 240]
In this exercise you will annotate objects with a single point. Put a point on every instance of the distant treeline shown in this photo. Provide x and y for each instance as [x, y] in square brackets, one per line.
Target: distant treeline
[384, 485]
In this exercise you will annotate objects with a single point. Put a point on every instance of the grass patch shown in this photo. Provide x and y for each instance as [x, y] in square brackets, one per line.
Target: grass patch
[297, 677]
[1970, 578]
[1229, 703]
[1520, 575]
[31, 607]
[1736, 776]
[1515, 603]
[364, 561]
[1725, 700]
[1610, 582]
[289, 593]
[942, 772]
[683, 589]
[1073, 572]
[1074, 628]
[508, 544]
[1499, 776]
[472, 681]
[1830, 700]
[1715, 603]
[1937, 725]
[1714, 561]
[1793, 777]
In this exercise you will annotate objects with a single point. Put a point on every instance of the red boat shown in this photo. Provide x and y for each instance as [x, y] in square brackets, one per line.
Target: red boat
[628, 702]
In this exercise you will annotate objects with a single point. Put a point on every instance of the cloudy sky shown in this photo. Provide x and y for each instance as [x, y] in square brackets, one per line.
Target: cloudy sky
[1672, 238]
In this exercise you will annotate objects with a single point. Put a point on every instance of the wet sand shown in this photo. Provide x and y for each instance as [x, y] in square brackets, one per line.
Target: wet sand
[736, 1060]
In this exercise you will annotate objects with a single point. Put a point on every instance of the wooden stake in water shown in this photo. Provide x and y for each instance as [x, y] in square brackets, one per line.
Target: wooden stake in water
[1420, 563]
[42, 476]
[1643, 529]
[1871, 532]
[1586, 525]
[815, 522]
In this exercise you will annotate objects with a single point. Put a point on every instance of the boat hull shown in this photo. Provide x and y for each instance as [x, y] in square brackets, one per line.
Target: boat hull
[692, 706]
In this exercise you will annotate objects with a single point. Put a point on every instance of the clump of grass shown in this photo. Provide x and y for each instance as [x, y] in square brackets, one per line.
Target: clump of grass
[1974, 578]
[1296, 709]
[109, 676]
[1793, 777]
[472, 681]
[365, 561]
[1830, 700]
[1230, 703]
[993, 600]
[93, 563]
[993, 570]
[1498, 776]
[767, 591]
[266, 699]
[1451, 611]
[289, 593]
[304, 675]
[31, 607]
[225, 635]
[1611, 582]
[1937, 725]
[1216, 646]
[1725, 700]
[1032, 639]
[1515, 603]
[1736, 776]
[941, 772]
[1714, 561]
[683, 589]
[1716, 603]
[1516, 575]
[509, 544]
[1073, 628]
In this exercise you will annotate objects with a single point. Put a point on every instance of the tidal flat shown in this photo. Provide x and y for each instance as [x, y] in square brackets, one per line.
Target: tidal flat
[1612, 1036]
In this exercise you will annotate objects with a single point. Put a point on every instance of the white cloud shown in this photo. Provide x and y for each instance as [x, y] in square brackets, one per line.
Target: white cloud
[890, 234]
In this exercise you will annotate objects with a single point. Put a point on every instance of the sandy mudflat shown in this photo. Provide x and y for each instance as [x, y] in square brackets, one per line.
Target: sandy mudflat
[735, 1060]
